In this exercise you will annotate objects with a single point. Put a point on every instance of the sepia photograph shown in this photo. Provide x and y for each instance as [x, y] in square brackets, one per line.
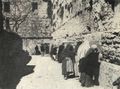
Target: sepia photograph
[59, 44]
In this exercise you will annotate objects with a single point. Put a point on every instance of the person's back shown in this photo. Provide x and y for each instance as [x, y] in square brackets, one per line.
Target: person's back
[92, 57]
[69, 52]
[47, 49]
[61, 47]
[55, 50]
[42, 48]
[37, 52]
[92, 64]
[60, 50]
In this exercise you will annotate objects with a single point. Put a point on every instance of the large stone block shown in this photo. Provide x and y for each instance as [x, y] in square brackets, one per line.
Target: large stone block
[108, 74]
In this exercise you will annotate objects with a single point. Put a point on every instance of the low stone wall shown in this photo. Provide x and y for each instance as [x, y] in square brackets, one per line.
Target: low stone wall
[108, 74]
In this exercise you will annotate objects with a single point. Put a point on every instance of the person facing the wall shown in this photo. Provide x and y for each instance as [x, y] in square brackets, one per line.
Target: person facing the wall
[89, 67]
[61, 48]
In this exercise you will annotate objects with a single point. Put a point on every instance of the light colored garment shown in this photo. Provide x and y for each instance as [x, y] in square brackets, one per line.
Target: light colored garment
[69, 65]
[76, 68]
[81, 52]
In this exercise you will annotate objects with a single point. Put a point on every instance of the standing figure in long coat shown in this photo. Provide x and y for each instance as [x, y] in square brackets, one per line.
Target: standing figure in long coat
[90, 67]
[61, 48]
[37, 51]
[68, 57]
[82, 50]
[42, 49]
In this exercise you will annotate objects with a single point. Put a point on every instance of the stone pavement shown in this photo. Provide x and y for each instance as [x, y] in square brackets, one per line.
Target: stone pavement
[47, 75]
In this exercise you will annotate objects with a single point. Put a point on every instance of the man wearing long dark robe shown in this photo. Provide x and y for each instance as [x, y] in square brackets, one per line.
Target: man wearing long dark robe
[90, 68]
[61, 47]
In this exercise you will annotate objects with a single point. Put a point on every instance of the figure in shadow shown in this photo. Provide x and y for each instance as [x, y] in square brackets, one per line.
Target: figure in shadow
[117, 83]
[53, 52]
[68, 60]
[61, 48]
[47, 48]
[13, 60]
[42, 49]
[37, 52]
[89, 67]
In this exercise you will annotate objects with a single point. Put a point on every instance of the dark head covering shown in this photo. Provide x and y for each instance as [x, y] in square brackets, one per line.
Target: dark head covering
[68, 52]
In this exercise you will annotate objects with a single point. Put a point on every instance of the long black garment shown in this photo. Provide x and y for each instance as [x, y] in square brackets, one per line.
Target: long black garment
[68, 52]
[61, 47]
[90, 67]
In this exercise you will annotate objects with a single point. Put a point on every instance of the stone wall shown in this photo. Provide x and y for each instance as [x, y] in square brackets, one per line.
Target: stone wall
[108, 74]
[82, 16]
[111, 46]
[96, 19]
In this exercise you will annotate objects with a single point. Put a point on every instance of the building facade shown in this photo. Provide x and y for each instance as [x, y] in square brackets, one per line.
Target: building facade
[27, 17]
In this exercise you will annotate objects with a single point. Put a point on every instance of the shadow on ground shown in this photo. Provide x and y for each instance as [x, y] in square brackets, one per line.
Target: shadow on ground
[13, 60]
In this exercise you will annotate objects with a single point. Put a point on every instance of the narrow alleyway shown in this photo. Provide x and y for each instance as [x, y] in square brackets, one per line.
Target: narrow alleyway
[47, 75]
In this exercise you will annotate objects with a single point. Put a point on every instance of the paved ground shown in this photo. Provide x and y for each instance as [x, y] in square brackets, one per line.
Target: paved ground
[47, 75]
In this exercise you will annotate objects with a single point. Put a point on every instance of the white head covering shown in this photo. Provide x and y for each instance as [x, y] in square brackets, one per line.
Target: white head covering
[94, 46]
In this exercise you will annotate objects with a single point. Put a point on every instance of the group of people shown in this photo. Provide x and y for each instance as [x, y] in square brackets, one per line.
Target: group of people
[81, 60]
[42, 49]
